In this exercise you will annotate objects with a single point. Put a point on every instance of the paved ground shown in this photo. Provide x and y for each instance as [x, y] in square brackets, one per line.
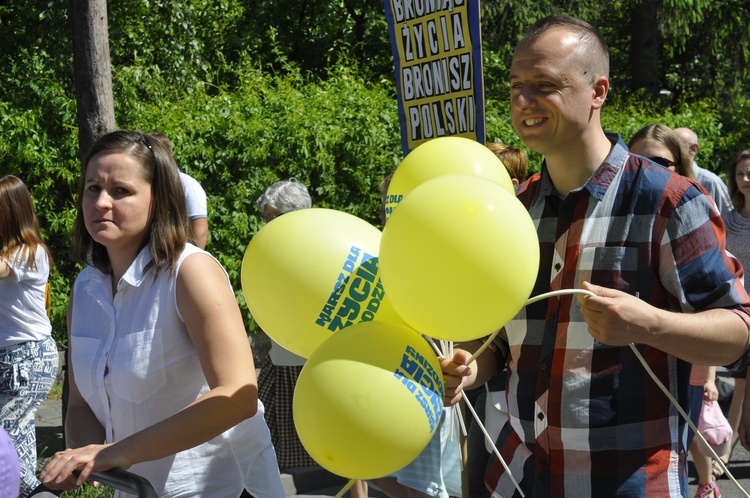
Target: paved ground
[314, 482]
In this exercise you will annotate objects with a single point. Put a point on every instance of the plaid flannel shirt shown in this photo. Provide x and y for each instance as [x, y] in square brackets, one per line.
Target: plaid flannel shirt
[585, 418]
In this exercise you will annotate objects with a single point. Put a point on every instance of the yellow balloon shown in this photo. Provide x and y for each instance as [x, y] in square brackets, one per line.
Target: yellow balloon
[368, 401]
[443, 156]
[310, 273]
[459, 257]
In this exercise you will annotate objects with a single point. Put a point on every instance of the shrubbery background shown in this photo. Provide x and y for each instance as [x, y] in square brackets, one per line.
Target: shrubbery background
[240, 123]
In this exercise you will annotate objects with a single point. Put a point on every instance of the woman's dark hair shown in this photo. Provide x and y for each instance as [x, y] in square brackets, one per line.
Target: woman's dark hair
[168, 229]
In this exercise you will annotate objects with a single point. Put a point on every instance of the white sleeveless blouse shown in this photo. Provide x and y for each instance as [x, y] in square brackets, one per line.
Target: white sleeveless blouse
[135, 365]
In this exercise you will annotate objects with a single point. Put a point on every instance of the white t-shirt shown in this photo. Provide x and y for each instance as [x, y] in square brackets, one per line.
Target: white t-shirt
[135, 365]
[23, 316]
[715, 186]
[195, 196]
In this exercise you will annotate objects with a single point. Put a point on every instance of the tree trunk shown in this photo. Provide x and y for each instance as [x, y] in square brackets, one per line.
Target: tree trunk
[93, 73]
[644, 54]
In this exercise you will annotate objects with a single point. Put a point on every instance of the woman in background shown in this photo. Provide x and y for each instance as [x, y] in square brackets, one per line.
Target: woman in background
[281, 368]
[28, 354]
[663, 146]
[737, 225]
[660, 144]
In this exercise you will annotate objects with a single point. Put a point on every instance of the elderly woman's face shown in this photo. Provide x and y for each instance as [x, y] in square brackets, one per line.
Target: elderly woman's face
[269, 213]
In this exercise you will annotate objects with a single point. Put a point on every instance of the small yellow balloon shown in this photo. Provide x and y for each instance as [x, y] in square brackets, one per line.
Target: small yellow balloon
[459, 257]
[369, 400]
[310, 273]
[444, 156]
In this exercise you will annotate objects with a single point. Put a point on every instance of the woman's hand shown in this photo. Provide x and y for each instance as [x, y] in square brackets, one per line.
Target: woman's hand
[59, 473]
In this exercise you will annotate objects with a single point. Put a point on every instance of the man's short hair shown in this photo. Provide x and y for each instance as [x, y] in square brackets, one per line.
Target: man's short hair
[592, 51]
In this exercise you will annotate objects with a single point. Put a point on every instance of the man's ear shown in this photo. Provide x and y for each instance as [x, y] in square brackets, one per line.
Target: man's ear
[601, 89]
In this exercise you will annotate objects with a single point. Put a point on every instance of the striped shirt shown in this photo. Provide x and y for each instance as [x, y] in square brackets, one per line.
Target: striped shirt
[585, 418]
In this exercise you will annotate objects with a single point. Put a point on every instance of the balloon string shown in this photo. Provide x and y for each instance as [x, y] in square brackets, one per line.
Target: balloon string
[432, 343]
[345, 488]
[449, 346]
[685, 416]
[484, 346]
[494, 448]
[561, 292]
[558, 293]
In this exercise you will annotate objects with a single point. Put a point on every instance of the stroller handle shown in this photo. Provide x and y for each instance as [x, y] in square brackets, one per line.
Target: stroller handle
[125, 481]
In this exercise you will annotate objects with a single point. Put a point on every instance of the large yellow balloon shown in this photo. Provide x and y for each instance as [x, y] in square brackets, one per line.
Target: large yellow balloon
[443, 156]
[368, 401]
[310, 273]
[459, 257]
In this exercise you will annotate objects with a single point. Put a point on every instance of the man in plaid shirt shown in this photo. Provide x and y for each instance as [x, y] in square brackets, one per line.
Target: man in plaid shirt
[585, 417]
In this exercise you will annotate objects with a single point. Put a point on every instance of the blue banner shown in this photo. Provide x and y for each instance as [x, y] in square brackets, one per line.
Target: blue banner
[437, 54]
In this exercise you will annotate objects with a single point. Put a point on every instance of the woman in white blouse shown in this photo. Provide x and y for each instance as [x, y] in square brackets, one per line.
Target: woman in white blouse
[162, 379]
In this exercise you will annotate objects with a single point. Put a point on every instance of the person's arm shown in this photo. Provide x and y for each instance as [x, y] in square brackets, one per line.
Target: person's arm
[710, 337]
[215, 326]
[197, 208]
[200, 230]
[710, 392]
[5, 269]
[81, 425]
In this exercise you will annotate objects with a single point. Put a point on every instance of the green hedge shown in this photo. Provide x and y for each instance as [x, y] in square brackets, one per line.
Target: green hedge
[339, 136]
